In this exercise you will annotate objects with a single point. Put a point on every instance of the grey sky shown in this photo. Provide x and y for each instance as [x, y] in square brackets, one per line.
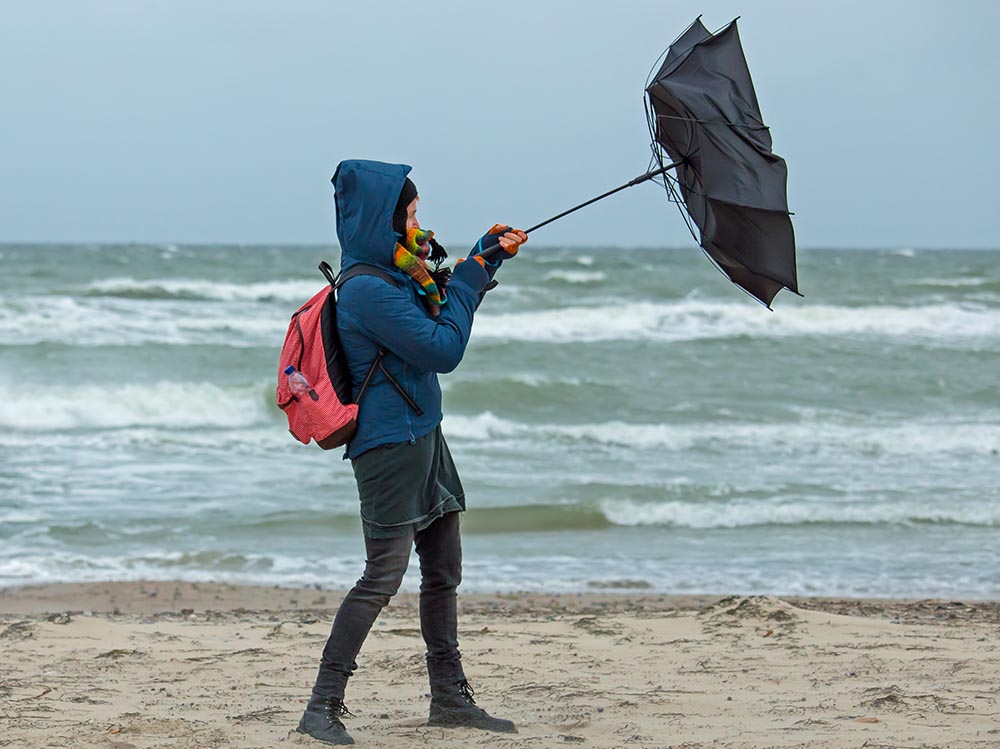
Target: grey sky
[223, 121]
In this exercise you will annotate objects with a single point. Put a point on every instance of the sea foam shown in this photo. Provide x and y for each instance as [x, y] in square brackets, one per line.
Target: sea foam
[808, 436]
[694, 319]
[113, 321]
[746, 513]
[163, 404]
[293, 291]
[250, 317]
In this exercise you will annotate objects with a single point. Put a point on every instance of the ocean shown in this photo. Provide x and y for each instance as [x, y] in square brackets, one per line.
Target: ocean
[624, 419]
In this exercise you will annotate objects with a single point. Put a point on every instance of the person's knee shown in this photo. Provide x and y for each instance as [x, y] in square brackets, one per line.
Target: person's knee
[384, 574]
[388, 581]
[441, 571]
[440, 552]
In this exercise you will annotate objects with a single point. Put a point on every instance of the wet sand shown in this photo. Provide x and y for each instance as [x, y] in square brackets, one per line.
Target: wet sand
[143, 664]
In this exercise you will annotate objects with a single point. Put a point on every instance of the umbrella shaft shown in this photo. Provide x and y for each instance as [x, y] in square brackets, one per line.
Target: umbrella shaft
[631, 183]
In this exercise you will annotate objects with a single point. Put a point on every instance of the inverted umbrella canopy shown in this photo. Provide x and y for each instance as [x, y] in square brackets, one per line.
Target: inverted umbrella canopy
[705, 120]
[705, 123]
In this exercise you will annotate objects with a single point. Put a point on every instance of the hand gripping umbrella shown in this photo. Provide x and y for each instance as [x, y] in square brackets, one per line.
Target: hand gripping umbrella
[705, 125]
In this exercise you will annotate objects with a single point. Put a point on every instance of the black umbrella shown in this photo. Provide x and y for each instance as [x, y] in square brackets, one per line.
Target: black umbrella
[706, 125]
[703, 113]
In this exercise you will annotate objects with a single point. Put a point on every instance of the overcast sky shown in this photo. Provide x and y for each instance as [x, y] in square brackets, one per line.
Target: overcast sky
[182, 121]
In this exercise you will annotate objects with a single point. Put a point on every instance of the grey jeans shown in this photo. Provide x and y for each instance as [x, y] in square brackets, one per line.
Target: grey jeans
[439, 547]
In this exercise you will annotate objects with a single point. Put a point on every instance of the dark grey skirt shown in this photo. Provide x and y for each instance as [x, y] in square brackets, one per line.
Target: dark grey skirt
[405, 487]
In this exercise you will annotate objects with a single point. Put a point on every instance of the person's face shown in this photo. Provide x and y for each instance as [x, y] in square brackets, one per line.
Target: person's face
[411, 215]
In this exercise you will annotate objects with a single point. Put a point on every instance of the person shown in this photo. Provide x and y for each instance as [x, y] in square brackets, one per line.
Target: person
[409, 488]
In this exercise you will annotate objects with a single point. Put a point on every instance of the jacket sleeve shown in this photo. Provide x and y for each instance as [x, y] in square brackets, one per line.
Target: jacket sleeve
[387, 314]
[491, 271]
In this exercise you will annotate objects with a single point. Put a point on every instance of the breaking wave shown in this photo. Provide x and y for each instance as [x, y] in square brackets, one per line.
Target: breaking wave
[194, 288]
[163, 404]
[200, 406]
[130, 322]
[692, 319]
[745, 513]
[706, 514]
[246, 318]
[575, 276]
[817, 437]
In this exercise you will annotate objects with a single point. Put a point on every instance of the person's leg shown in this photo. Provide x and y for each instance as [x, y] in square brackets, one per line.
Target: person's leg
[384, 568]
[439, 547]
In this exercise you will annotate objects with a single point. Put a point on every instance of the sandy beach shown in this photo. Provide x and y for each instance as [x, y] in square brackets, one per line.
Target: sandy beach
[158, 664]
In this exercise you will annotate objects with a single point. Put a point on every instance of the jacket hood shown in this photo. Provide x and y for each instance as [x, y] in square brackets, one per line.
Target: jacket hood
[366, 193]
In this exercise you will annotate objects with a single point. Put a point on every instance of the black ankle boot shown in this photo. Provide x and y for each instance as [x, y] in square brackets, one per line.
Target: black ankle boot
[321, 720]
[452, 706]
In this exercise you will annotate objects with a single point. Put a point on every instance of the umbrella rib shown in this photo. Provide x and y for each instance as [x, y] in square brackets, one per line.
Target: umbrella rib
[724, 26]
[674, 198]
[687, 53]
[651, 117]
[730, 202]
[711, 122]
[721, 270]
[664, 52]
[668, 181]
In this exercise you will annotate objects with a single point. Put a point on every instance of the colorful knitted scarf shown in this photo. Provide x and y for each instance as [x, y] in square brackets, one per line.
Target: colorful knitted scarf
[411, 258]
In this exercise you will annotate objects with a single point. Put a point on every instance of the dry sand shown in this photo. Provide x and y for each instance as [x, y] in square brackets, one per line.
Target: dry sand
[136, 665]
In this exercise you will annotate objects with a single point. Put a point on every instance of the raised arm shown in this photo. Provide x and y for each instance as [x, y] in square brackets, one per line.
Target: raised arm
[387, 315]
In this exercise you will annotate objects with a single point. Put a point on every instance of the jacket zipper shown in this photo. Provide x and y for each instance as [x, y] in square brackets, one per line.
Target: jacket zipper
[409, 418]
[406, 368]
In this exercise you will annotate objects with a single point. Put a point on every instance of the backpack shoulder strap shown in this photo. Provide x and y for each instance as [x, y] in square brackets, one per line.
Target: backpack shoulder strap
[363, 269]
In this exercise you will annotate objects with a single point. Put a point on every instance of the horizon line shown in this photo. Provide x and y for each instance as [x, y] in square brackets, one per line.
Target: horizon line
[326, 246]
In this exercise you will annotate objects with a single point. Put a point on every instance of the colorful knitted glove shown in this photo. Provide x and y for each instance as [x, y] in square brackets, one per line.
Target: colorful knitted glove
[492, 238]
[516, 236]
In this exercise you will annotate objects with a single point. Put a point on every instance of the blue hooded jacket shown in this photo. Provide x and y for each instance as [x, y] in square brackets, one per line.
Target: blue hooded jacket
[372, 312]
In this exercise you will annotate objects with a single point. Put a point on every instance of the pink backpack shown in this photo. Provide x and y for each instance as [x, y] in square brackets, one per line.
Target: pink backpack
[326, 413]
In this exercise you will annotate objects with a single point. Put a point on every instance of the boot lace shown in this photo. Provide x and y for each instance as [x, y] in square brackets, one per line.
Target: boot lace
[336, 709]
[467, 691]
